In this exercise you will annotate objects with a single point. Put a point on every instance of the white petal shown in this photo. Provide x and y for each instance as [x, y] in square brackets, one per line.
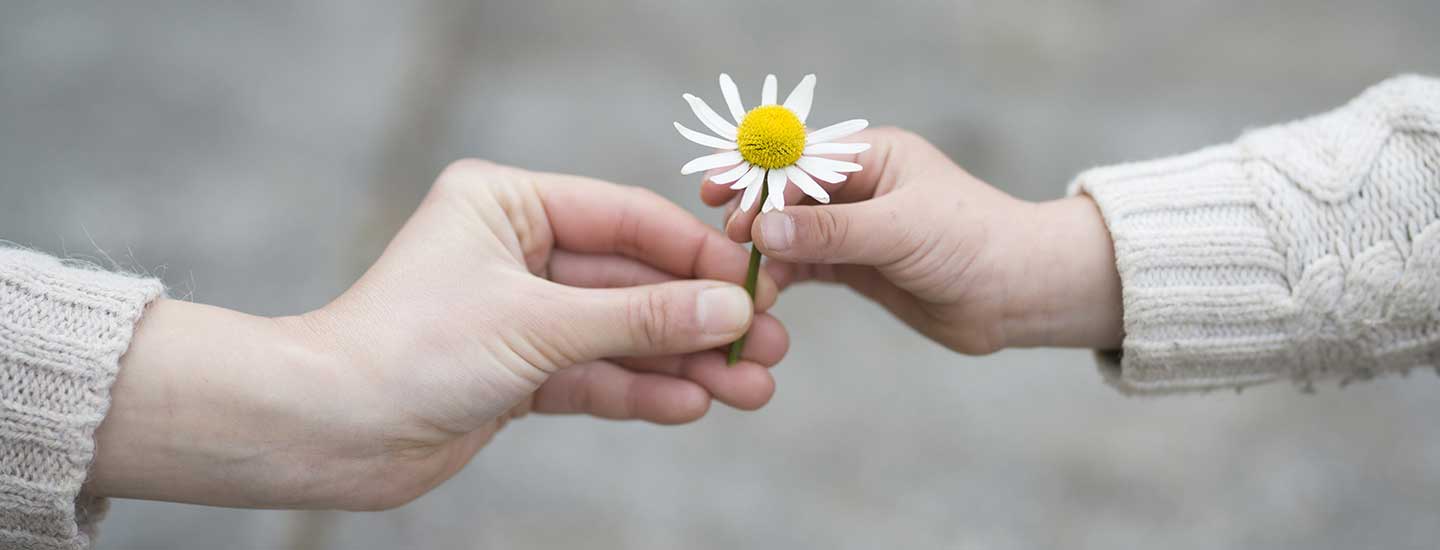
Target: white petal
[748, 180]
[776, 181]
[717, 160]
[832, 165]
[732, 97]
[731, 175]
[826, 176]
[748, 199]
[706, 140]
[836, 148]
[711, 120]
[835, 131]
[768, 93]
[800, 98]
[807, 185]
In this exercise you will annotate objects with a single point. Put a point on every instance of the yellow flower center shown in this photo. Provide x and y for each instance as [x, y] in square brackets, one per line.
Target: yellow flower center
[771, 136]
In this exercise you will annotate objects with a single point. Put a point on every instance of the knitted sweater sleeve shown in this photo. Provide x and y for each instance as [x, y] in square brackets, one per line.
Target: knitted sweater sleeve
[63, 329]
[1304, 251]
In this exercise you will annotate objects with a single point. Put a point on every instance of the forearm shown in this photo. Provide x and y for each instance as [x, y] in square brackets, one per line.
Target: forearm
[217, 407]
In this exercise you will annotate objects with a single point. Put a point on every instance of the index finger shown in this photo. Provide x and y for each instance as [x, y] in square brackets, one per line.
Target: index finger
[597, 217]
[881, 169]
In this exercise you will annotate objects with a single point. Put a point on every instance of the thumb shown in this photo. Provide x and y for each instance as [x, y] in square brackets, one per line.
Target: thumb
[673, 317]
[865, 233]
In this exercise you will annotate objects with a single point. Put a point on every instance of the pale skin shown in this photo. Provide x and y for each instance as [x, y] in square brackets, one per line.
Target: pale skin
[511, 292]
[506, 292]
[955, 258]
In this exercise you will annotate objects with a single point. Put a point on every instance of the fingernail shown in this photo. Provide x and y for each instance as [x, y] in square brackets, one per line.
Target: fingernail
[778, 230]
[723, 309]
[733, 214]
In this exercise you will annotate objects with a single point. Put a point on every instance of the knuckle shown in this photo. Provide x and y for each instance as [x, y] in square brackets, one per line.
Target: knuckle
[468, 172]
[910, 138]
[828, 231]
[900, 141]
[644, 194]
[469, 167]
[898, 136]
[649, 319]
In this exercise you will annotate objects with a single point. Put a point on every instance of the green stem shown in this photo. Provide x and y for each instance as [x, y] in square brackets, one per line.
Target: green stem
[752, 276]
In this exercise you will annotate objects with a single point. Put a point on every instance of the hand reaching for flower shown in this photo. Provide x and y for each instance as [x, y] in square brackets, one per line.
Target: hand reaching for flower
[508, 291]
[962, 262]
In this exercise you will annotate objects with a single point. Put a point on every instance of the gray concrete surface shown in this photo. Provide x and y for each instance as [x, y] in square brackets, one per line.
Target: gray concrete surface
[257, 156]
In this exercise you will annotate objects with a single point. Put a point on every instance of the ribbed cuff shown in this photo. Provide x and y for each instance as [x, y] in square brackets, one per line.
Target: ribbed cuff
[1206, 302]
[63, 329]
[1304, 250]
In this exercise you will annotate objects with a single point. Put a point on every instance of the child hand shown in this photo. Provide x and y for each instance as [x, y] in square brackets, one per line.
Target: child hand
[962, 262]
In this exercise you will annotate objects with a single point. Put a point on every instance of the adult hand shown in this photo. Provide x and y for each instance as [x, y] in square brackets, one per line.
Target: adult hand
[508, 291]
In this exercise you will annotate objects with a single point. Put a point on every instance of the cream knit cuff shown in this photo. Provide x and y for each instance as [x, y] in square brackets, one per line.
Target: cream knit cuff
[63, 329]
[1304, 251]
[1205, 298]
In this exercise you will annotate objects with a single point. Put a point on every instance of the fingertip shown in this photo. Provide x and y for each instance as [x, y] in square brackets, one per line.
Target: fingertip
[757, 232]
[746, 385]
[737, 227]
[755, 386]
[713, 194]
[766, 291]
[768, 341]
[684, 401]
[783, 273]
[775, 232]
[722, 311]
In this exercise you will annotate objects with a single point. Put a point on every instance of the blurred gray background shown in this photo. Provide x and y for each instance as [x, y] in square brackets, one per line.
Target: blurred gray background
[258, 156]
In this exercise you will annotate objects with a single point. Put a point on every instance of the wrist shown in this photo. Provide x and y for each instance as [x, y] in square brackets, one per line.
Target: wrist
[221, 408]
[1067, 288]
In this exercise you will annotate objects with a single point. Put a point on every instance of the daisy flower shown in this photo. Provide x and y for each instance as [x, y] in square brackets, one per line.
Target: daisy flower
[767, 147]
[770, 145]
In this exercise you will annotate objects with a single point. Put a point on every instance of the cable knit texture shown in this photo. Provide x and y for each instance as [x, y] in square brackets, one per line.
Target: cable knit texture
[63, 329]
[1304, 251]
